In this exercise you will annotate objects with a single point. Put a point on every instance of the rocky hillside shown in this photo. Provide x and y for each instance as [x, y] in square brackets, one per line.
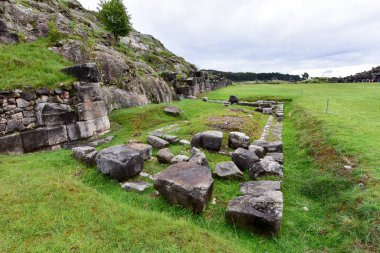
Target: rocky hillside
[137, 70]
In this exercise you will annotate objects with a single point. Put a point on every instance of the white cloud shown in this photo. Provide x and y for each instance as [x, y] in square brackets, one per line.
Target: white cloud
[325, 37]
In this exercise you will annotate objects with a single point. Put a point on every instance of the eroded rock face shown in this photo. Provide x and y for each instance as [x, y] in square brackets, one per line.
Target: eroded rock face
[244, 159]
[120, 162]
[266, 167]
[210, 140]
[259, 214]
[238, 140]
[87, 72]
[187, 184]
[227, 170]
[85, 155]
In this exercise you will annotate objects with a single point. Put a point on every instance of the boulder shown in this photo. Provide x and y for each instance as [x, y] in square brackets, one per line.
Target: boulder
[233, 100]
[179, 159]
[144, 149]
[259, 151]
[227, 170]
[157, 142]
[120, 162]
[85, 155]
[278, 157]
[172, 139]
[164, 155]
[187, 184]
[259, 214]
[244, 159]
[87, 72]
[139, 186]
[173, 110]
[210, 140]
[270, 147]
[266, 167]
[198, 157]
[238, 140]
[258, 188]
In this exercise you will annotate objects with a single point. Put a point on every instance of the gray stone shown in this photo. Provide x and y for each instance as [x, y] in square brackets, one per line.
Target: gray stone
[11, 144]
[172, 139]
[21, 103]
[144, 149]
[27, 121]
[266, 167]
[54, 114]
[179, 159]
[278, 157]
[238, 140]
[157, 142]
[244, 159]
[173, 110]
[85, 155]
[259, 151]
[43, 137]
[15, 125]
[210, 140]
[227, 170]
[102, 141]
[258, 188]
[139, 186]
[262, 214]
[120, 162]
[189, 185]
[198, 157]
[185, 142]
[85, 129]
[270, 147]
[268, 111]
[164, 155]
[91, 110]
[233, 100]
[84, 72]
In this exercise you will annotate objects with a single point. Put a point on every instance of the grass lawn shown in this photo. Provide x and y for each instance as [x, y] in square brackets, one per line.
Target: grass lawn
[32, 65]
[49, 202]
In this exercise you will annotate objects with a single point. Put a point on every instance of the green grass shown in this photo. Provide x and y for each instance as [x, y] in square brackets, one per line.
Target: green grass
[32, 65]
[49, 202]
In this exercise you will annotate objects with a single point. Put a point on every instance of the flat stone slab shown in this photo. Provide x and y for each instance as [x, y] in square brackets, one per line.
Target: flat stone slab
[85, 155]
[120, 162]
[259, 214]
[139, 186]
[227, 170]
[157, 142]
[266, 167]
[270, 147]
[258, 188]
[167, 137]
[186, 184]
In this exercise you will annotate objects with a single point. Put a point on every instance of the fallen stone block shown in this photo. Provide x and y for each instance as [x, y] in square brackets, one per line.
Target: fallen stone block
[164, 155]
[210, 140]
[144, 149]
[278, 157]
[266, 167]
[238, 140]
[270, 147]
[259, 151]
[85, 155]
[157, 142]
[179, 159]
[227, 170]
[186, 184]
[173, 111]
[244, 159]
[198, 157]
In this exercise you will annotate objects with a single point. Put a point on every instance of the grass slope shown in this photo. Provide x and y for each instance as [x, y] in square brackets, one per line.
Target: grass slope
[52, 203]
[31, 64]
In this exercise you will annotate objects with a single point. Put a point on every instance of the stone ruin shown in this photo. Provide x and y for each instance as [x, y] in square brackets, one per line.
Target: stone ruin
[45, 119]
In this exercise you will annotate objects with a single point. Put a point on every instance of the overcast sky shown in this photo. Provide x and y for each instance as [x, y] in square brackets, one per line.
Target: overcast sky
[324, 37]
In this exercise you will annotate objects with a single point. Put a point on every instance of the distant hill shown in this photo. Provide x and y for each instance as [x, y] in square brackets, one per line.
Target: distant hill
[248, 76]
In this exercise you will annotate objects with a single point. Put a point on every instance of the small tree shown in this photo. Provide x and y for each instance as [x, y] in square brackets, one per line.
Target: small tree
[115, 18]
[305, 76]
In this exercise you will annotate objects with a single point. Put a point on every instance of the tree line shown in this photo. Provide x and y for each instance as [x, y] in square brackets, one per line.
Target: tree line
[248, 76]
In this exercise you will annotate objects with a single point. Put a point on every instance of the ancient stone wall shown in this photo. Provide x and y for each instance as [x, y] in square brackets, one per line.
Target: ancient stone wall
[45, 119]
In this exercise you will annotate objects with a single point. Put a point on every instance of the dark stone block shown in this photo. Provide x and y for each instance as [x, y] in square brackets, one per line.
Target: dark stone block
[88, 72]
[11, 144]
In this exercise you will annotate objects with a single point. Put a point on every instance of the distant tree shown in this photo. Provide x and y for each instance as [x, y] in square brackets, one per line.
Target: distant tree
[115, 17]
[305, 76]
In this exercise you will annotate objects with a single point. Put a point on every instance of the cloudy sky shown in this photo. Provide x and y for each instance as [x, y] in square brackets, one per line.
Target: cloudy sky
[324, 37]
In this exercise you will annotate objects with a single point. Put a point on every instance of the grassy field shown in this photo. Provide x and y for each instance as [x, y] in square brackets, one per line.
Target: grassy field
[31, 65]
[51, 203]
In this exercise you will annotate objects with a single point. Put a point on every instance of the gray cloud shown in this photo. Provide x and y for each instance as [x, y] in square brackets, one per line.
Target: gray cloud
[323, 37]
